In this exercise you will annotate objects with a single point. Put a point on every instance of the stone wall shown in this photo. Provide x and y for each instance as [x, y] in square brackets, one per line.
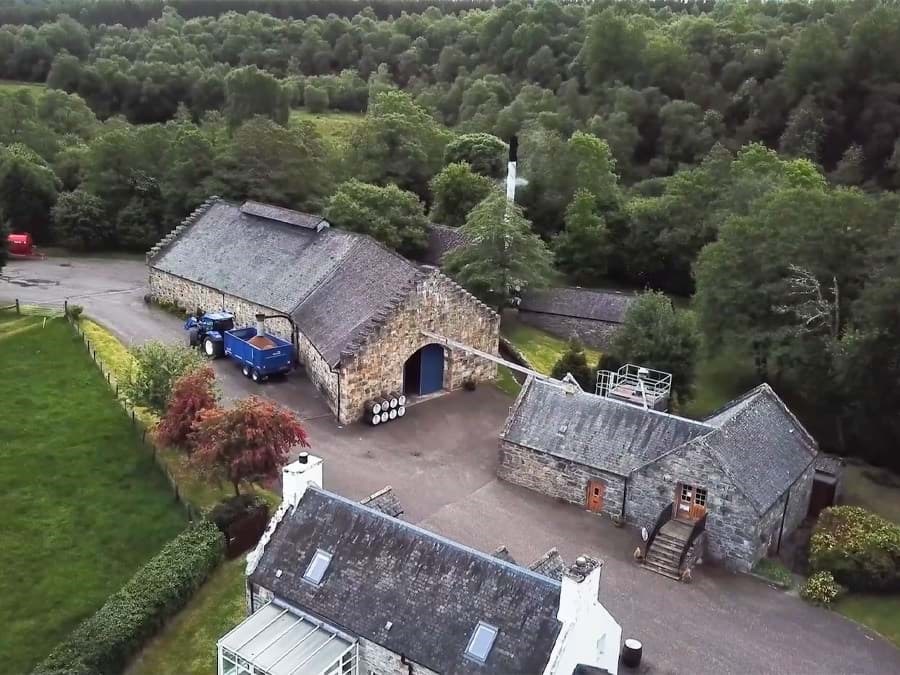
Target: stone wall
[557, 477]
[438, 305]
[731, 522]
[376, 660]
[596, 334]
[770, 525]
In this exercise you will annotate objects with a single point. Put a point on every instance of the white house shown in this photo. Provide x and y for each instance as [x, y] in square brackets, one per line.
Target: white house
[339, 587]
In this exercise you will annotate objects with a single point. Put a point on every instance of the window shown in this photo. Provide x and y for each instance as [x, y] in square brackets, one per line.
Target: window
[481, 642]
[700, 497]
[685, 493]
[317, 567]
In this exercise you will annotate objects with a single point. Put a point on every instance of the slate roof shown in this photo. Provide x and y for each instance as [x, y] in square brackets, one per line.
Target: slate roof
[581, 303]
[332, 282]
[755, 437]
[385, 501]
[441, 240]
[550, 565]
[593, 430]
[433, 591]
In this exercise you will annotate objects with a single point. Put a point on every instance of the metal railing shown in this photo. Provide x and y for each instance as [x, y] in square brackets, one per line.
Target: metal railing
[664, 517]
[698, 528]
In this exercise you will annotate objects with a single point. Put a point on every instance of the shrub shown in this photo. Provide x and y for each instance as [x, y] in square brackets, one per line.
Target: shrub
[105, 642]
[234, 508]
[75, 311]
[155, 369]
[192, 393]
[861, 549]
[574, 361]
[820, 589]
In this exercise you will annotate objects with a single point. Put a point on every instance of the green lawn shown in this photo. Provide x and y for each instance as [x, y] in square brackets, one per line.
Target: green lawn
[187, 646]
[83, 504]
[334, 126]
[11, 86]
[541, 349]
[875, 495]
[878, 612]
[506, 382]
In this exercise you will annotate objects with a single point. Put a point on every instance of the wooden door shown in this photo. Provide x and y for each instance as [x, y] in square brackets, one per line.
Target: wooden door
[690, 502]
[595, 491]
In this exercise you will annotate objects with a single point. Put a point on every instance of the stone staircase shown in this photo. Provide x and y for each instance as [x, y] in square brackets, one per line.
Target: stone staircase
[665, 550]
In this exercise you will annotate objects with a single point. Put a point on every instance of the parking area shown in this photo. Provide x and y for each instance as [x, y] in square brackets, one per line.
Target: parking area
[441, 460]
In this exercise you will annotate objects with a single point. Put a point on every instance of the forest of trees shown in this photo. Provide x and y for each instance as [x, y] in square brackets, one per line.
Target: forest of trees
[744, 154]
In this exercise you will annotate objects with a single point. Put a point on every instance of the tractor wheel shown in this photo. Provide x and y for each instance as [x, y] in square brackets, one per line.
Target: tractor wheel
[246, 371]
[210, 348]
[255, 376]
[192, 337]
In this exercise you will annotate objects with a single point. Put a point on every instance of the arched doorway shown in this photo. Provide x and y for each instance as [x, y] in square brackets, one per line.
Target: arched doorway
[423, 372]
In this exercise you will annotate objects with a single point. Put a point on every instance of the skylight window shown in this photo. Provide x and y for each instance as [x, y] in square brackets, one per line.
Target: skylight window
[481, 642]
[317, 567]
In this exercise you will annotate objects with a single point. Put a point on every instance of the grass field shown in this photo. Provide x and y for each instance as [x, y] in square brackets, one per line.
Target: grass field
[878, 612]
[10, 86]
[83, 504]
[334, 126]
[187, 646]
[541, 349]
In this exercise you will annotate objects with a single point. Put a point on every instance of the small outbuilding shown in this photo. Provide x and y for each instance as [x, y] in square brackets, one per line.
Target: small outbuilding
[593, 316]
[354, 309]
[743, 475]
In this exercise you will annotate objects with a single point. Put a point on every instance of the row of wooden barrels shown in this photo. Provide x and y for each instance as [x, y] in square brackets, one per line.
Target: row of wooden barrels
[385, 408]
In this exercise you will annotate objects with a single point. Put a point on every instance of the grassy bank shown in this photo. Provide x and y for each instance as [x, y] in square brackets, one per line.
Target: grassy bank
[879, 612]
[541, 349]
[334, 126]
[84, 504]
[12, 86]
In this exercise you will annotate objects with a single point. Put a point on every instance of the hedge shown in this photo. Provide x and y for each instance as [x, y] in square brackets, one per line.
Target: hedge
[861, 549]
[105, 642]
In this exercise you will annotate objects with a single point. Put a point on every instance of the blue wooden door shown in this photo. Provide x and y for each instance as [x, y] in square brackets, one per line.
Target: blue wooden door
[432, 377]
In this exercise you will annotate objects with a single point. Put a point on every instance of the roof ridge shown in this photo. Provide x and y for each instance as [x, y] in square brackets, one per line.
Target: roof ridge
[486, 557]
[195, 215]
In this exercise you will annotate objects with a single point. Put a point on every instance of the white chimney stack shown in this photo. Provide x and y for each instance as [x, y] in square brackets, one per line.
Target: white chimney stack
[299, 475]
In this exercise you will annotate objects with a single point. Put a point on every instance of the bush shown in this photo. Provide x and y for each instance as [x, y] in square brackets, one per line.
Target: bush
[75, 311]
[233, 509]
[574, 361]
[106, 641]
[821, 589]
[192, 393]
[156, 368]
[315, 98]
[861, 549]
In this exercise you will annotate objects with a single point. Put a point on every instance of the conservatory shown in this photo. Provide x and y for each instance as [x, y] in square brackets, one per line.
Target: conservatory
[276, 640]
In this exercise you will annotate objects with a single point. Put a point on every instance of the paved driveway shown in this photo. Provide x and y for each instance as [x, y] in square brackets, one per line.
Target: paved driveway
[441, 461]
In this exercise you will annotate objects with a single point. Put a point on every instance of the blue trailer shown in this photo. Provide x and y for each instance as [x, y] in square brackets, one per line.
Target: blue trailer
[270, 356]
[259, 353]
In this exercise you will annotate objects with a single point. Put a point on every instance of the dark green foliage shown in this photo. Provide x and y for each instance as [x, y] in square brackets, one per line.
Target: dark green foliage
[860, 548]
[391, 215]
[456, 191]
[106, 641]
[80, 221]
[574, 361]
[250, 91]
[4, 253]
[27, 191]
[656, 335]
[315, 98]
[234, 508]
[582, 248]
[485, 153]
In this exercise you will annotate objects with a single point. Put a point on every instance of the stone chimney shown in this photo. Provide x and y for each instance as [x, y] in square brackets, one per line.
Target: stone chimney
[299, 475]
[580, 589]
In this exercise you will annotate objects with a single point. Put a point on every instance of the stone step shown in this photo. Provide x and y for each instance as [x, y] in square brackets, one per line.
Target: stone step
[667, 546]
[660, 569]
[670, 540]
[672, 558]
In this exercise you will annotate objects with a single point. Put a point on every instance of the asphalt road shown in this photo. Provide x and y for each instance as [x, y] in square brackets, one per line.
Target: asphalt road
[441, 461]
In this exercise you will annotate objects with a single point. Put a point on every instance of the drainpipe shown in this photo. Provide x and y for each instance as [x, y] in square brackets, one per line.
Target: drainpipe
[624, 496]
[406, 662]
[783, 518]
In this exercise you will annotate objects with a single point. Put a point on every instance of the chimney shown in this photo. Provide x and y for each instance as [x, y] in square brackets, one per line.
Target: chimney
[580, 589]
[511, 169]
[260, 324]
[299, 475]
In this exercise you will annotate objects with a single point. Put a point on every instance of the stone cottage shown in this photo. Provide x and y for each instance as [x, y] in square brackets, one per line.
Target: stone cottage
[745, 471]
[335, 586]
[354, 309]
[591, 315]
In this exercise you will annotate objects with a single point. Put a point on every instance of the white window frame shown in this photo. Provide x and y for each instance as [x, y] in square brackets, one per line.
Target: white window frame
[319, 555]
[482, 626]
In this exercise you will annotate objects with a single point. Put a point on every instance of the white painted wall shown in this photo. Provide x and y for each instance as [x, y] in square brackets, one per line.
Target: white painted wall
[299, 475]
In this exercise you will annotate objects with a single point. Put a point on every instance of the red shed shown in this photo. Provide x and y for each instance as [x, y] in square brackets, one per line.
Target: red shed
[21, 244]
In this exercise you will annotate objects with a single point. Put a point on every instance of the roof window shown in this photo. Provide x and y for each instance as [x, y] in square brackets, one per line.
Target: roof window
[481, 642]
[317, 567]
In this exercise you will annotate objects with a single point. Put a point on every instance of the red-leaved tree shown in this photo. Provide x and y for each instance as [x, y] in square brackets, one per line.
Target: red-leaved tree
[192, 393]
[248, 442]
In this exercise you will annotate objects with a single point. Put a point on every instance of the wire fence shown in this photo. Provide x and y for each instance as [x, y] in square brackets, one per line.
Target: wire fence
[140, 427]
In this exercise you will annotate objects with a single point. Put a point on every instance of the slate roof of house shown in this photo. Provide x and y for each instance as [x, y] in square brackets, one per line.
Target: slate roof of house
[755, 437]
[334, 283]
[550, 565]
[762, 444]
[385, 501]
[594, 430]
[441, 240]
[433, 591]
[581, 303]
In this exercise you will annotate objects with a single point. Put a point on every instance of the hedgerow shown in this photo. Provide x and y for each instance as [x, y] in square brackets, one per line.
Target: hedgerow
[104, 643]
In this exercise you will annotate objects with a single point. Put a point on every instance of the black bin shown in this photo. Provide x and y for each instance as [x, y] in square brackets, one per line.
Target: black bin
[632, 652]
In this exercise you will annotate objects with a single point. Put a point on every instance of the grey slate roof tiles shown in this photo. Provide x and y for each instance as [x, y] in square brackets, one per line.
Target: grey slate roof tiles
[332, 282]
[385, 501]
[433, 591]
[550, 565]
[441, 241]
[582, 303]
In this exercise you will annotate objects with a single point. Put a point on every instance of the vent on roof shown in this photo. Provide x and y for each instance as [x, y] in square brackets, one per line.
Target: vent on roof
[286, 216]
[481, 642]
[317, 567]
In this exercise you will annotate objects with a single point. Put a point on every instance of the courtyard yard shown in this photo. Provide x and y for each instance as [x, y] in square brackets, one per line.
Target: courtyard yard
[84, 505]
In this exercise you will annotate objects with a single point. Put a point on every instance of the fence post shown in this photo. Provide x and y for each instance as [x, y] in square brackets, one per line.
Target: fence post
[18, 310]
[66, 308]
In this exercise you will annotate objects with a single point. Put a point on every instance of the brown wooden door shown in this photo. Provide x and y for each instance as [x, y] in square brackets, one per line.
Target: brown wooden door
[595, 491]
[690, 502]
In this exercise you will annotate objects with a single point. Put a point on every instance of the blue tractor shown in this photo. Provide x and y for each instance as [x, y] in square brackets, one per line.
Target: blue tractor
[207, 331]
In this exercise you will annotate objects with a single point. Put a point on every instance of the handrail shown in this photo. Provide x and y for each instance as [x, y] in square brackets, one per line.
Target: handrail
[664, 517]
[696, 530]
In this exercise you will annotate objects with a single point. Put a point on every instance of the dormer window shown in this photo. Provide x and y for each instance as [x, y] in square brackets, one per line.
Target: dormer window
[317, 567]
[481, 642]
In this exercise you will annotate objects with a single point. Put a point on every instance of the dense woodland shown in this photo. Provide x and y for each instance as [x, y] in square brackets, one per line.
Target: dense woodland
[744, 154]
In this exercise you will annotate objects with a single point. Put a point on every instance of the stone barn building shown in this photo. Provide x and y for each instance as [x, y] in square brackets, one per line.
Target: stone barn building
[354, 309]
[591, 315]
[744, 474]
